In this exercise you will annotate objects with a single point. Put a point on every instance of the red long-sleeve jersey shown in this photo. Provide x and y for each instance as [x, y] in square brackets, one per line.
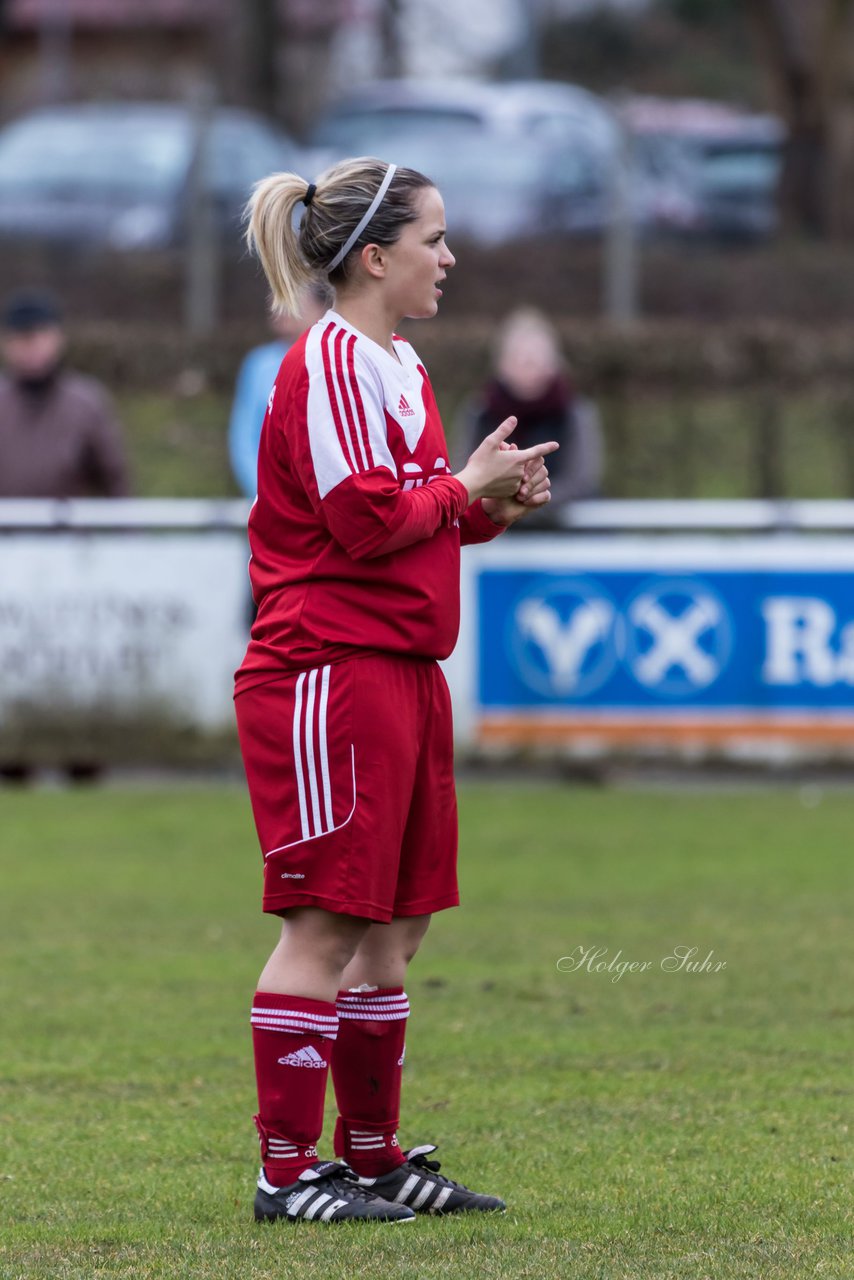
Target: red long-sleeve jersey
[356, 530]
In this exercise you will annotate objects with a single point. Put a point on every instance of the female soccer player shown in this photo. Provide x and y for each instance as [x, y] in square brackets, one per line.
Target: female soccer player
[343, 713]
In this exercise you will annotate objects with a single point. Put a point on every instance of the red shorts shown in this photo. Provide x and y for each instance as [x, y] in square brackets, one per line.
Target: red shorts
[351, 777]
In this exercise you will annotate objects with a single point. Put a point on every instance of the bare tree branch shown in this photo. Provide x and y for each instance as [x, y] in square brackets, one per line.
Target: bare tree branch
[803, 43]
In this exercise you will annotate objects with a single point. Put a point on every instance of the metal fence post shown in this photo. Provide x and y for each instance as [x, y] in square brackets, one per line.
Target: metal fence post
[202, 260]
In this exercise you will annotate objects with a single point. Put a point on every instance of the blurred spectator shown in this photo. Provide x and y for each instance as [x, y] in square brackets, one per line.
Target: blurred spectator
[59, 437]
[531, 382]
[255, 382]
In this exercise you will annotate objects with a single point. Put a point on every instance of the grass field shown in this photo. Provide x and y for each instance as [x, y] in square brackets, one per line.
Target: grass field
[673, 1125]
[656, 447]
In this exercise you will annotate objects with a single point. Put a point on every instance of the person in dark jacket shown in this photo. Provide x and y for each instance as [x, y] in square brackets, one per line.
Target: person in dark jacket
[59, 437]
[530, 382]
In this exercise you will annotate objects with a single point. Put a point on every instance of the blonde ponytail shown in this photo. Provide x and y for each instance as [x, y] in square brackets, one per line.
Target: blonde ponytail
[293, 259]
[271, 235]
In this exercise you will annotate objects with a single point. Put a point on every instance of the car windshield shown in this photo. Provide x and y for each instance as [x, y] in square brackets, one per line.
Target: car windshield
[95, 155]
[484, 165]
[376, 131]
[488, 169]
[745, 168]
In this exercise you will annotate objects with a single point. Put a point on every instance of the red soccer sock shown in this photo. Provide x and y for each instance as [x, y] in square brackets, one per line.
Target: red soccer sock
[293, 1039]
[367, 1065]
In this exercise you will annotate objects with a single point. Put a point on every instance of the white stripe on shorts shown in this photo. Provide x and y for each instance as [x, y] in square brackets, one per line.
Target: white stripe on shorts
[311, 760]
[324, 757]
[311, 764]
[303, 811]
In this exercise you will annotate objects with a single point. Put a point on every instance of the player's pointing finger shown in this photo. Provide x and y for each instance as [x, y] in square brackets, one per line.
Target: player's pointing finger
[538, 450]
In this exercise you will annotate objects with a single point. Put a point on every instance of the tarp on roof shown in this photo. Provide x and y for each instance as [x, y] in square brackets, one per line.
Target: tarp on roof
[112, 14]
[696, 118]
[25, 14]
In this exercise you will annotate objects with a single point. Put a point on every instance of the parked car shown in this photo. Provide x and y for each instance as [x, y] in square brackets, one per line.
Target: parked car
[514, 158]
[117, 175]
[495, 193]
[452, 109]
[718, 166]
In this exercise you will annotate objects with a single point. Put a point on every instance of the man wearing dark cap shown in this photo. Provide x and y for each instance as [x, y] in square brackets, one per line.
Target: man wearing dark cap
[59, 437]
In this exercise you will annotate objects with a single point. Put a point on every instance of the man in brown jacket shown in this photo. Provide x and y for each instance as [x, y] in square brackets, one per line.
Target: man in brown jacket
[59, 437]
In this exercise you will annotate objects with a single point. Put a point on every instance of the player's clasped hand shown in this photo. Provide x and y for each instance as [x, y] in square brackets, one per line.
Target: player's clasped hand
[535, 488]
[498, 470]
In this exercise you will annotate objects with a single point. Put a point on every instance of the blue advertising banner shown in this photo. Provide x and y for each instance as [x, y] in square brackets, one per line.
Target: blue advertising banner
[631, 639]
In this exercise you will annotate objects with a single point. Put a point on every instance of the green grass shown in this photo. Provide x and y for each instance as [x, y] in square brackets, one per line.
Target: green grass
[655, 447]
[177, 444]
[672, 1126]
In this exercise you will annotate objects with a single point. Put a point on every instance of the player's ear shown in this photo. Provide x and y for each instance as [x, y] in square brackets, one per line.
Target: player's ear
[374, 260]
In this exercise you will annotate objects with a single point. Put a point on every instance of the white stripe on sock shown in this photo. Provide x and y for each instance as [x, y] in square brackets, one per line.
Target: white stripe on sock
[368, 996]
[385, 1004]
[381, 1005]
[292, 1025]
[377, 1002]
[323, 1024]
[295, 1029]
[369, 1016]
[282, 1013]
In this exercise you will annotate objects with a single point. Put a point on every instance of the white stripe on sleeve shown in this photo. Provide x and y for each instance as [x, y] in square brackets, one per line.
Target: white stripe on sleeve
[335, 435]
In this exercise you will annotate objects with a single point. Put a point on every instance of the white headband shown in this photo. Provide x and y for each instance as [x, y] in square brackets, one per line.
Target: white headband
[372, 208]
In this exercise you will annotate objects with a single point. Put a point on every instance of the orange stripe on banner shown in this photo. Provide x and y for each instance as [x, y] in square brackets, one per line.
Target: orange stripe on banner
[530, 731]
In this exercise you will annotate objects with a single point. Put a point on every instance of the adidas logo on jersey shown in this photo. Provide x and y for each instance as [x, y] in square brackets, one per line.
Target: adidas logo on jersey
[404, 410]
[307, 1057]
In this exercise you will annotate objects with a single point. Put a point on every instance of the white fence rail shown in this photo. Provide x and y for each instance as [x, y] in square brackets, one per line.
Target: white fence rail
[678, 628]
[624, 516]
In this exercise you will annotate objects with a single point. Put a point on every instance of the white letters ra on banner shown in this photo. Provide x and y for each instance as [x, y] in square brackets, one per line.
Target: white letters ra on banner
[804, 644]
